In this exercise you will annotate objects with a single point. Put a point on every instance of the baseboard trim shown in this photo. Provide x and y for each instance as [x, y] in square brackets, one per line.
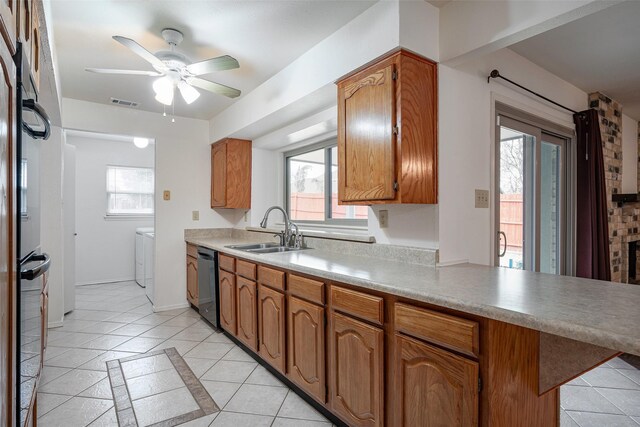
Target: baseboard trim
[55, 324]
[158, 309]
[105, 282]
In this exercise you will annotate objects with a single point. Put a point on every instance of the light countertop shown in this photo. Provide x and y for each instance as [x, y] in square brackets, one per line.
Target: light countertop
[600, 313]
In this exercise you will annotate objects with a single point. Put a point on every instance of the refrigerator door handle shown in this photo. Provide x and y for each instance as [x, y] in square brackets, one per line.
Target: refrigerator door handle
[31, 105]
[39, 270]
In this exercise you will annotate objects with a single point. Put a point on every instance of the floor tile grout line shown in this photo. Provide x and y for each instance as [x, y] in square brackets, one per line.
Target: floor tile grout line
[609, 400]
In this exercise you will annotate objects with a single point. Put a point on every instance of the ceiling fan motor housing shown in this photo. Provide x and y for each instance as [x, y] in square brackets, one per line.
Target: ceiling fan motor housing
[172, 36]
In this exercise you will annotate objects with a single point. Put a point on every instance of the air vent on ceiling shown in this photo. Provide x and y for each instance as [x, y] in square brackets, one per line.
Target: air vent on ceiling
[124, 102]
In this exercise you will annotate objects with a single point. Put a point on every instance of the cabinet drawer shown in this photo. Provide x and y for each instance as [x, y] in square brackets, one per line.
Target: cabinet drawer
[271, 277]
[246, 269]
[227, 263]
[358, 304]
[308, 289]
[448, 331]
[192, 251]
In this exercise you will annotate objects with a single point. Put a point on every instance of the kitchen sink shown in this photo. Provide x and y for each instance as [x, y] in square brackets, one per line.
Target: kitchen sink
[264, 248]
[253, 246]
[274, 249]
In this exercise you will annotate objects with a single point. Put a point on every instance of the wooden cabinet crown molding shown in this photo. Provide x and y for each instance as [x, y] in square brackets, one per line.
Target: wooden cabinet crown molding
[387, 132]
[231, 174]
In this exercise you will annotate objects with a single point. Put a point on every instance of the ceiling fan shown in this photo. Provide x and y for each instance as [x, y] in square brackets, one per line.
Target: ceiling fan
[176, 70]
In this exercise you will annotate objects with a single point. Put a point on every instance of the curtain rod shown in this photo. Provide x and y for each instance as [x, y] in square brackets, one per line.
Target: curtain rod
[495, 74]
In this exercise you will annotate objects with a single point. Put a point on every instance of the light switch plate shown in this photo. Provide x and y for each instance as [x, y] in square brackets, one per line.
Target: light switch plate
[383, 218]
[195, 215]
[482, 199]
[166, 195]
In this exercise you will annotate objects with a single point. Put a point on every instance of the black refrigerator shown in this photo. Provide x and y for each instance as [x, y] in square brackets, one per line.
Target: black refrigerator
[33, 128]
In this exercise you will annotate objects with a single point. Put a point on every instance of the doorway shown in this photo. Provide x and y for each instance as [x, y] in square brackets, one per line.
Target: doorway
[533, 188]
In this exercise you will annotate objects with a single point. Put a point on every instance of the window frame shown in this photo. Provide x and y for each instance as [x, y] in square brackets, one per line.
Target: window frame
[109, 214]
[325, 145]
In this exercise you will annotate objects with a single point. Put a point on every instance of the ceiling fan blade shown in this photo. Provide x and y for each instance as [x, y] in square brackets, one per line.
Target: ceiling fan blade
[140, 51]
[130, 72]
[214, 87]
[207, 66]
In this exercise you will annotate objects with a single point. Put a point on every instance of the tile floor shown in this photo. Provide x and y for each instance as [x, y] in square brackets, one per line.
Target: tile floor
[608, 396]
[114, 321]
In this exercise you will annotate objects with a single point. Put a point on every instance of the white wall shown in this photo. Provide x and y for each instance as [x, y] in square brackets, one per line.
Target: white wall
[466, 126]
[182, 166]
[305, 86]
[629, 154]
[469, 29]
[105, 248]
[52, 224]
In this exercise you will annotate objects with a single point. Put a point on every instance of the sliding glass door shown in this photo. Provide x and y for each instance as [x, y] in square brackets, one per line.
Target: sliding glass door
[531, 203]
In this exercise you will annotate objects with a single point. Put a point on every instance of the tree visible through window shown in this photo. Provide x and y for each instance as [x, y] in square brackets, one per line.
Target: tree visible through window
[312, 187]
[129, 190]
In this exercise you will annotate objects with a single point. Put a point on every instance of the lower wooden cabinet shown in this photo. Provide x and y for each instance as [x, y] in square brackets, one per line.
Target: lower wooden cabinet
[434, 387]
[357, 371]
[247, 312]
[271, 332]
[227, 289]
[305, 344]
[192, 280]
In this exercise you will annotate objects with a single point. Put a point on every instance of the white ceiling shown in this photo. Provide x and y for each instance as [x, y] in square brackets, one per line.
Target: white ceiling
[600, 52]
[263, 35]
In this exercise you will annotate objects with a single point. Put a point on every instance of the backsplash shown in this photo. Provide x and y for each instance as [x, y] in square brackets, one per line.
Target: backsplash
[410, 255]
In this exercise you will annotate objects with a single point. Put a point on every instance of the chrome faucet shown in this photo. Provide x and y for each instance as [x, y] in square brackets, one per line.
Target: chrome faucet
[287, 234]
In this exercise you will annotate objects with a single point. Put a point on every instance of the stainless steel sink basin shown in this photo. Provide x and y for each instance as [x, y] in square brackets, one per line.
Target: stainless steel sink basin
[273, 250]
[252, 246]
[263, 248]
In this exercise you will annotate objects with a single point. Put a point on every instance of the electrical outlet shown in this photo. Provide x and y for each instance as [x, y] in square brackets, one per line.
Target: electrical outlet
[383, 218]
[245, 216]
[166, 195]
[195, 215]
[482, 199]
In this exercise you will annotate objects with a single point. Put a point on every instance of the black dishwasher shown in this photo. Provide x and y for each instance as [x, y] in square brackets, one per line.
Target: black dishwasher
[208, 286]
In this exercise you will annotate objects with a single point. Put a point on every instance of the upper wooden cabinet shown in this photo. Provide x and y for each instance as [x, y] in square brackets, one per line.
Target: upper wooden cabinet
[387, 132]
[231, 174]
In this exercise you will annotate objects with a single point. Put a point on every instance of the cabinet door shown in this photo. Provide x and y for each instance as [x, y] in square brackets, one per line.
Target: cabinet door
[7, 230]
[366, 140]
[228, 301]
[9, 17]
[434, 387]
[305, 344]
[192, 280]
[36, 45]
[219, 175]
[271, 327]
[357, 377]
[247, 312]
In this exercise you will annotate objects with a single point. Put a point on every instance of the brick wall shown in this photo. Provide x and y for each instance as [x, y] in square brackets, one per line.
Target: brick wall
[624, 222]
[610, 114]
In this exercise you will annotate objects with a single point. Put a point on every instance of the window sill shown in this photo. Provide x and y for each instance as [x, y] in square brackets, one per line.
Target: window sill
[351, 234]
[127, 217]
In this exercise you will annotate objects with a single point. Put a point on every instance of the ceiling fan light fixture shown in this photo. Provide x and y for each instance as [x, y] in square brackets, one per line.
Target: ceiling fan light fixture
[188, 92]
[163, 88]
[140, 142]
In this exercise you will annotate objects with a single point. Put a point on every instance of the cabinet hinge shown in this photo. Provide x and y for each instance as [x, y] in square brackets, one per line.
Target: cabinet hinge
[395, 186]
[394, 75]
[396, 130]
[479, 384]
